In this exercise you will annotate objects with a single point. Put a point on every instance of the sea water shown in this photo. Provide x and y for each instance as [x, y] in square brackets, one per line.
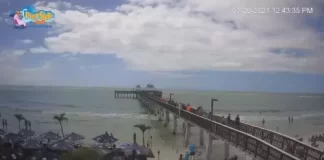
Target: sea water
[92, 111]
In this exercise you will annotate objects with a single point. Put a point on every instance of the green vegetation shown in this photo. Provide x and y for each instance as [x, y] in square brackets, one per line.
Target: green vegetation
[81, 154]
[60, 118]
[19, 117]
[143, 128]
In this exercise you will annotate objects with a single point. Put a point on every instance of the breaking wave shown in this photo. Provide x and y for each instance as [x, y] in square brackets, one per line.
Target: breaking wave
[271, 118]
[103, 115]
[47, 103]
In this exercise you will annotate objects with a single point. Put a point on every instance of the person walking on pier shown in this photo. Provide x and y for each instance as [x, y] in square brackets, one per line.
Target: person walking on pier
[189, 108]
[237, 121]
[229, 119]
[200, 111]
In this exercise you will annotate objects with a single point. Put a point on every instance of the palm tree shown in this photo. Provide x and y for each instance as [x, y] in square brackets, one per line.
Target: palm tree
[29, 125]
[60, 118]
[19, 117]
[143, 128]
[26, 123]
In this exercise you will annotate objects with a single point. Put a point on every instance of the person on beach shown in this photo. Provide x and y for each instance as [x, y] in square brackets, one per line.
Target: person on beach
[289, 119]
[187, 156]
[192, 149]
[181, 157]
[263, 121]
[292, 119]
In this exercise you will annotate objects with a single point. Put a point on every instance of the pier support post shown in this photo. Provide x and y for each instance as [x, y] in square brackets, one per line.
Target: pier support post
[160, 114]
[166, 118]
[174, 124]
[226, 150]
[209, 147]
[187, 133]
[156, 110]
[201, 137]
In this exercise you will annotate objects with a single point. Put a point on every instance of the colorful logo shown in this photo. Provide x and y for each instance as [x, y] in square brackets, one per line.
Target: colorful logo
[30, 17]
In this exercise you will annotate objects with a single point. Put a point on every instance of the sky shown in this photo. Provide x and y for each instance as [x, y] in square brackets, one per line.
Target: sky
[182, 44]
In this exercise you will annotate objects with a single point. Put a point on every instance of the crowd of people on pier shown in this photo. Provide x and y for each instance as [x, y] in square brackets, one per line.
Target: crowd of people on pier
[199, 111]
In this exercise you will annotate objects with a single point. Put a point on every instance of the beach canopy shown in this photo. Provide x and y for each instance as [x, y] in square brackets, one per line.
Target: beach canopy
[51, 135]
[32, 145]
[60, 145]
[74, 137]
[130, 148]
[26, 133]
[2, 132]
[12, 137]
[105, 138]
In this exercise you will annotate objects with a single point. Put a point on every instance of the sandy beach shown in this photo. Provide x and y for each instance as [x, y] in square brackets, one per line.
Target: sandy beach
[171, 146]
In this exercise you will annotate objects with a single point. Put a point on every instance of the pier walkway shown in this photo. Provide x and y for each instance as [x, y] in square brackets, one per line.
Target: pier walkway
[260, 142]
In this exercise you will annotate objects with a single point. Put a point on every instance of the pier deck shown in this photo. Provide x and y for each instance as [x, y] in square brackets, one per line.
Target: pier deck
[262, 143]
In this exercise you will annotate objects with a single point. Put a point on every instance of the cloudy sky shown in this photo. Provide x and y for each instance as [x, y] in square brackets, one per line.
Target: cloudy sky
[192, 44]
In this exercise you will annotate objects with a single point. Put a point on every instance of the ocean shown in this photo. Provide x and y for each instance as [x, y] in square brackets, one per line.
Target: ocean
[93, 110]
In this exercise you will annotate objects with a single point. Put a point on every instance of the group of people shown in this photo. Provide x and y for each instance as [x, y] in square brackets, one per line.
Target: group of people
[290, 119]
[237, 119]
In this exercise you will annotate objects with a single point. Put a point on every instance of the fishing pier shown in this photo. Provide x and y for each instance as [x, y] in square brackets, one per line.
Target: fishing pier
[259, 142]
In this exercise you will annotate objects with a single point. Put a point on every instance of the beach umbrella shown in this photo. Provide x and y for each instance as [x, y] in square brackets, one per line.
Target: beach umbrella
[2, 132]
[26, 133]
[105, 138]
[12, 138]
[60, 145]
[51, 135]
[74, 137]
[130, 148]
[32, 145]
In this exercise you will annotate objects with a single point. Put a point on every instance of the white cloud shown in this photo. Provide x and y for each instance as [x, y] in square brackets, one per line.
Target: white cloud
[13, 52]
[11, 71]
[38, 50]
[90, 67]
[26, 41]
[18, 52]
[171, 74]
[165, 35]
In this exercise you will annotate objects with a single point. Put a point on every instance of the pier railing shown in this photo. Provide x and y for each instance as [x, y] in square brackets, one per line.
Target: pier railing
[249, 143]
[283, 142]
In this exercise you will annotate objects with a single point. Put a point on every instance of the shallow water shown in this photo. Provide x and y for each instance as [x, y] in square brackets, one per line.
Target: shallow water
[92, 111]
